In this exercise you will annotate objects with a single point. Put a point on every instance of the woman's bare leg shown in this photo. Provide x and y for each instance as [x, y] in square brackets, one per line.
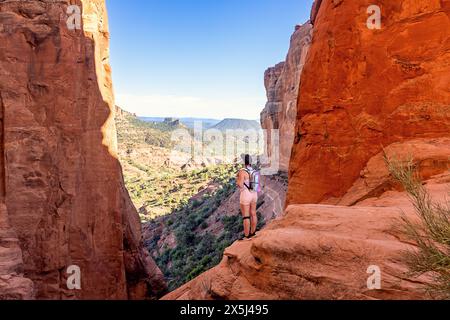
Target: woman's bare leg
[254, 216]
[245, 210]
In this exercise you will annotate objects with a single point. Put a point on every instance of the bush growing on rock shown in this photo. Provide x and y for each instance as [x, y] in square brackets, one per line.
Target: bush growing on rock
[431, 233]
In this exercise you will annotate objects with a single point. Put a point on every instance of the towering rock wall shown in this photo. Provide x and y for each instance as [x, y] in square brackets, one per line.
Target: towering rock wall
[363, 89]
[63, 187]
[282, 82]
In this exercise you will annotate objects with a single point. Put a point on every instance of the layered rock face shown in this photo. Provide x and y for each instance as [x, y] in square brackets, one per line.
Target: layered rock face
[63, 187]
[282, 83]
[363, 89]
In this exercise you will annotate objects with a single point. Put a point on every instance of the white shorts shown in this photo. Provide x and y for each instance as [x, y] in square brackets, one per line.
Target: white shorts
[248, 197]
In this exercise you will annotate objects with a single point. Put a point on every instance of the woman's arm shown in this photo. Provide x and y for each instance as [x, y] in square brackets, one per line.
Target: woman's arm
[240, 180]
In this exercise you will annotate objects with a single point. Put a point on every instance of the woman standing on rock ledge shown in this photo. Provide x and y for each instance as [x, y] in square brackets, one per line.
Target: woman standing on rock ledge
[248, 184]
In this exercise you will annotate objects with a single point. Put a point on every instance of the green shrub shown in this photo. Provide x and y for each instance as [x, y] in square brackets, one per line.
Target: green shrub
[204, 225]
[431, 234]
[196, 204]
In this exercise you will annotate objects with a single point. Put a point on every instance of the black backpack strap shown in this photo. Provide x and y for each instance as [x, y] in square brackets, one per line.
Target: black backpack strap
[250, 175]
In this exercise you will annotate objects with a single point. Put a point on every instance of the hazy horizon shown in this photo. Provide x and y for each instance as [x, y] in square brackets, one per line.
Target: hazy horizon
[195, 118]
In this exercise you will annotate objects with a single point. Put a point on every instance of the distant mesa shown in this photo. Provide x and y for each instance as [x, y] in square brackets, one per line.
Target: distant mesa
[172, 121]
[121, 113]
[237, 124]
[188, 122]
[226, 124]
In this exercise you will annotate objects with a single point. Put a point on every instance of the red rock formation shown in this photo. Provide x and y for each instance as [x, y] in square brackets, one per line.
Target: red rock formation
[364, 89]
[431, 158]
[324, 251]
[64, 190]
[315, 10]
[282, 83]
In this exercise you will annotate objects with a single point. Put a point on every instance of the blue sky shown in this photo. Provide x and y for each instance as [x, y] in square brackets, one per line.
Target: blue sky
[198, 58]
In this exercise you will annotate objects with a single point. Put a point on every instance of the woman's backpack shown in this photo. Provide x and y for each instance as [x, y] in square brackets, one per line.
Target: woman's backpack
[255, 180]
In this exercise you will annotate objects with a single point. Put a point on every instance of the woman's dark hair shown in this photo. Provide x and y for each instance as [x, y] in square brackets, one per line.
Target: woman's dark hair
[247, 160]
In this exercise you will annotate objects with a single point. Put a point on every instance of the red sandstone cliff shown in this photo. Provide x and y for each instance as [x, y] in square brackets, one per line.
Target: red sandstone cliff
[361, 91]
[62, 185]
[364, 89]
[282, 83]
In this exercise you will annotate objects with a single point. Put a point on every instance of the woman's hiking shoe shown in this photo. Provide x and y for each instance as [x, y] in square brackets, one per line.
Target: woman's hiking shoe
[245, 238]
[250, 237]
